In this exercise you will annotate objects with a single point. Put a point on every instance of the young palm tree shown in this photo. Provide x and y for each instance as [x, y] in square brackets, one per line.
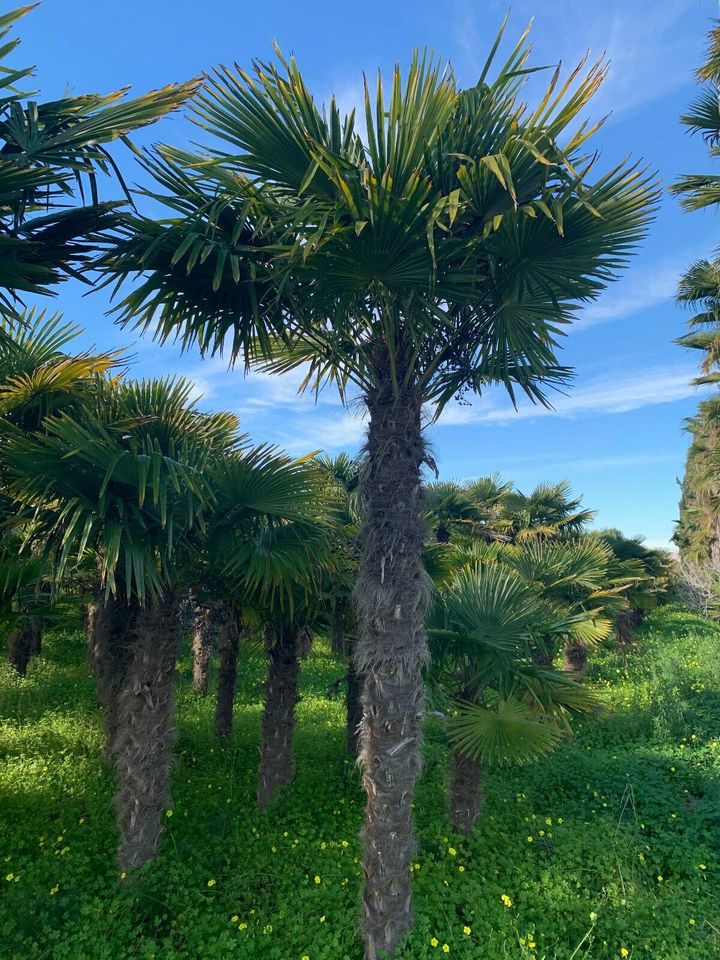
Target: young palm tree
[442, 253]
[547, 511]
[472, 508]
[51, 155]
[122, 478]
[504, 708]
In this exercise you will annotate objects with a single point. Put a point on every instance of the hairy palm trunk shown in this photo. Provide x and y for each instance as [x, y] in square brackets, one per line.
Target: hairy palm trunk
[23, 644]
[626, 624]
[391, 597]
[277, 765]
[224, 626]
[353, 706]
[142, 747]
[203, 643]
[575, 657]
[337, 628]
[109, 635]
[465, 796]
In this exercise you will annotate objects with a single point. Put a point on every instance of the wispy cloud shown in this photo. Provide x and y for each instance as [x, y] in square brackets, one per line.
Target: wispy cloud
[612, 393]
[648, 53]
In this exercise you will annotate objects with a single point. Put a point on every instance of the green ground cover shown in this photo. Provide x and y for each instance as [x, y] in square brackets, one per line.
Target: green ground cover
[609, 848]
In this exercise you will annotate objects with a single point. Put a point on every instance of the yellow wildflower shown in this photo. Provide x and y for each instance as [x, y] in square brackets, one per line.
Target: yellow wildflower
[506, 900]
[624, 952]
[467, 931]
[211, 883]
[317, 879]
[234, 918]
[434, 941]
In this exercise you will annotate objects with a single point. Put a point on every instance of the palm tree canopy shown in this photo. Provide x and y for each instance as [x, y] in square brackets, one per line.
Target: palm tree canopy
[547, 511]
[444, 250]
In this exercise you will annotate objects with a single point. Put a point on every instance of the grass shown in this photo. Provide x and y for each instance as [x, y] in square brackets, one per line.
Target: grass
[610, 845]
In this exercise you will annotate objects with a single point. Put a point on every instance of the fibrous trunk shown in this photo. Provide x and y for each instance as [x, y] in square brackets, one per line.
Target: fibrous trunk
[465, 796]
[391, 598]
[23, 644]
[203, 643]
[277, 766]
[338, 628]
[575, 657]
[224, 626]
[142, 745]
[110, 627]
[353, 706]
[626, 624]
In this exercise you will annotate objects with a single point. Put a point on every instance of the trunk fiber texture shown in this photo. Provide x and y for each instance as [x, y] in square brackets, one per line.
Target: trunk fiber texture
[575, 658]
[353, 706]
[110, 628]
[277, 765]
[142, 747]
[391, 598]
[465, 796]
[23, 645]
[203, 644]
[224, 627]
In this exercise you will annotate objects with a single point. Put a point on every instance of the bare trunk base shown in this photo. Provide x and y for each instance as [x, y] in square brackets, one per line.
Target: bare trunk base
[391, 597]
[541, 658]
[203, 643]
[575, 658]
[225, 629]
[142, 747]
[277, 765]
[24, 643]
[465, 796]
[354, 708]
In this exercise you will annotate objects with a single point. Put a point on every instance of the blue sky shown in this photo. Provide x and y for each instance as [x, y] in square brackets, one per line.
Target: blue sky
[617, 434]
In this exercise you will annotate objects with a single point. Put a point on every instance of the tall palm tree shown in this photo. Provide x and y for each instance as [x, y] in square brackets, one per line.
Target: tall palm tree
[443, 252]
[50, 157]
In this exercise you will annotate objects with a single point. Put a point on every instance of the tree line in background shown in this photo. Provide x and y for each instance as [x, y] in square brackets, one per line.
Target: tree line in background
[442, 254]
[698, 530]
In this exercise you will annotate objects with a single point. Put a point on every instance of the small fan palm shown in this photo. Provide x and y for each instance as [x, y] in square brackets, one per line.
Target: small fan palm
[488, 622]
[547, 511]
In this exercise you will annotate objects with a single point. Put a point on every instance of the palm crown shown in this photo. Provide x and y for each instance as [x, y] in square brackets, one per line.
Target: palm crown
[444, 252]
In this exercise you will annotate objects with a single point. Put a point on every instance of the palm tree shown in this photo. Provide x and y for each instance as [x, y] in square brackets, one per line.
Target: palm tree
[504, 708]
[472, 507]
[122, 478]
[38, 378]
[443, 253]
[698, 531]
[265, 542]
[50, 156]
[547, 511]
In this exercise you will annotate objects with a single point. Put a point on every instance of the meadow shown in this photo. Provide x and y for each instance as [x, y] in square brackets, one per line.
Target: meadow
[608, 848]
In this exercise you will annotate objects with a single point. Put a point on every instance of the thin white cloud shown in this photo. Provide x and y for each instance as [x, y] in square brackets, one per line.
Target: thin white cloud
[648, 52]
[612, 393]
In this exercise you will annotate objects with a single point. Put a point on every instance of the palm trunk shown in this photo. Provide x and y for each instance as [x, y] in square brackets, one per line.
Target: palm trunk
[143, 744]
[337, 628]
[465, 796]
[277, 765]
[203, 643]
[224, 626]
[353, 706]
[23, 644]
[391, 597]
[109, 632]
[575, 658]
